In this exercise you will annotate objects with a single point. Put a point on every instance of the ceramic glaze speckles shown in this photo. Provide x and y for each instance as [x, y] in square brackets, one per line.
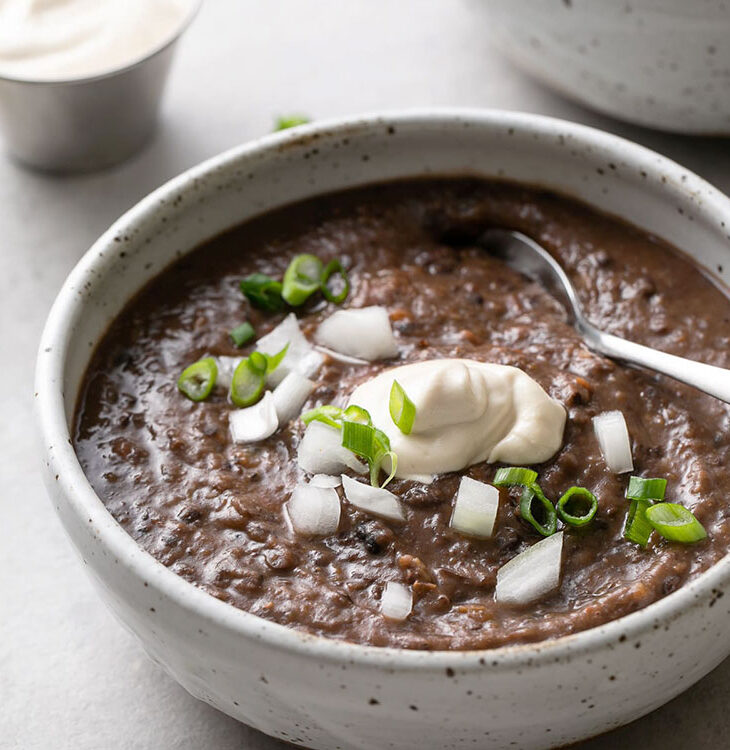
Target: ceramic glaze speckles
[328, 694]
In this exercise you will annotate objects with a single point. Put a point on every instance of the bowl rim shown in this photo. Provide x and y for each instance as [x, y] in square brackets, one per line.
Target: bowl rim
[167, 41]
[62, 464]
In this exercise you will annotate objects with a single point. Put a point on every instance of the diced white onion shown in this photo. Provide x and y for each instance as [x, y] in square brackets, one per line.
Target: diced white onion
[226, 367]
[360, 332]
[287, 332]
[309, 363]
[374, 500]
[255, 422]
[321, 451]
[613, 437]
[475, 508]
[531, 574]
[397, 601]
[325, 480]
[342, 357]
[290, 395]
[314, 511]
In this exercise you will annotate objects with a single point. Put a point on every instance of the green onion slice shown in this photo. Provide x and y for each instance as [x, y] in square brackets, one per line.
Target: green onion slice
[357, 414]
[637, 528]
[538, 511]
[577, 506]
[358, 438]
[197, 380]
[301, 279]
[377, 465]
[511, 475]
[402, 409]
[274, 360]
[263, 292]
[381, 446]
[646, 489]
[675, 523]
[331, 415]
[334, 283]
[248, 380]
[372, 444]
[290, 121]
[258, 362]
[242, 334]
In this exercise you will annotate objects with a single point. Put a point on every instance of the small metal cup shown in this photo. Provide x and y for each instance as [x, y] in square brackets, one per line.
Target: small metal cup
[83, 124]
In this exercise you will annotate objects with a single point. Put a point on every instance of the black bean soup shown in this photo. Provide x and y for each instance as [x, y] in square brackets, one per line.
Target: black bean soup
[213, 510]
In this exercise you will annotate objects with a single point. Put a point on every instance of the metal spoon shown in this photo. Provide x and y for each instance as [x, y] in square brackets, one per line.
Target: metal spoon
[526, 256]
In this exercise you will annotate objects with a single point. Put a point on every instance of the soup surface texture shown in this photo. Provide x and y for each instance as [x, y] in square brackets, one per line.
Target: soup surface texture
[213, 511]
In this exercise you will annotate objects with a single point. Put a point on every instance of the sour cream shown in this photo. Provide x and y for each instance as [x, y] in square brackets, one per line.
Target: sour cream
[62, 39]
[467, 412]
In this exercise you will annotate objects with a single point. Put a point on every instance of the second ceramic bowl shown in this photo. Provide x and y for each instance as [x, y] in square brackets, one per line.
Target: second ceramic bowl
[664, 64]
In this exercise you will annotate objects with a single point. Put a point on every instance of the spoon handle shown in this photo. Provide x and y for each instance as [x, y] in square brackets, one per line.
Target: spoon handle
[707, 378]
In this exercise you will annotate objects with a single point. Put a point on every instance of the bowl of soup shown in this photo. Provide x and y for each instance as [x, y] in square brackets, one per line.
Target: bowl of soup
[345, 474]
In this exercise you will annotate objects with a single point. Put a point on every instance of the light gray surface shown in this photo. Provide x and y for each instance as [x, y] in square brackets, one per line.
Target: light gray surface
[70, 677]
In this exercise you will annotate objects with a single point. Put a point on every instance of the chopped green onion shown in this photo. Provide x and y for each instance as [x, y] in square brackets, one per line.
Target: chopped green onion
[511, 475]
[290, 121]
[381, 451]
[242, 334]
[301, 279]
[357, 414]
[547, 522]
[646, 489]
[372, 444]
[274, 360]
[263, 292]
[577, 506]
[258, 362]
[675, 523]
[197, 380]
[376, 466]
[331, 415]
[339, 295]
[402, 409]
[358, 438]
[248, 380]
[637, 528]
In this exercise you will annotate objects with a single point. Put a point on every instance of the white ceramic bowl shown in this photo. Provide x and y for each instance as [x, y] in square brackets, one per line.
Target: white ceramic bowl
[660, 63]
[319, 692]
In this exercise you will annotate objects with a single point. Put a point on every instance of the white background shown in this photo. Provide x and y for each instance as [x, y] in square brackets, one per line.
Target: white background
[70, 677]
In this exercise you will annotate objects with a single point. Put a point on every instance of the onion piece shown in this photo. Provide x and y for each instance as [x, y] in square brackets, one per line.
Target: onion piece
[613, 437]
[475, 508]
[321, 451]
[314, 511]
[226, 367]
[532, 573]
[361, 332]
[255, 422]
[309, 363]
[374, 500]
[287, 332]
[325, 480]
[396, 602]
[342, 357]
[290, 395]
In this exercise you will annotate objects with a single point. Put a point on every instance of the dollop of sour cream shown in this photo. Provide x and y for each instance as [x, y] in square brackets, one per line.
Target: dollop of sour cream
[467, 412]
[63, 39]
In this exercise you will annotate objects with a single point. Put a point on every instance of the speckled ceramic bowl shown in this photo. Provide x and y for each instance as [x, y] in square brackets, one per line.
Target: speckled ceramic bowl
[660, 63]
[323, 693]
